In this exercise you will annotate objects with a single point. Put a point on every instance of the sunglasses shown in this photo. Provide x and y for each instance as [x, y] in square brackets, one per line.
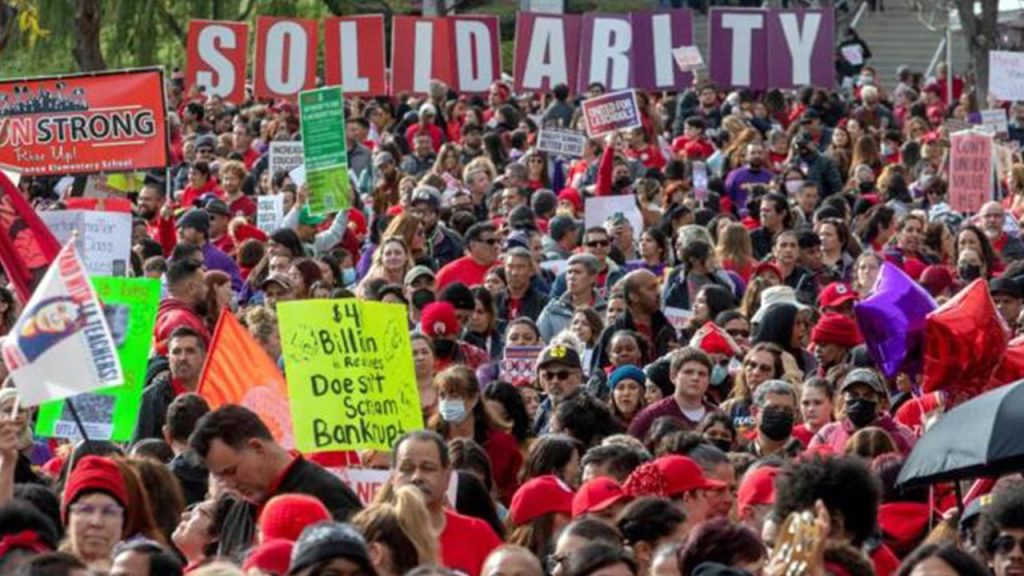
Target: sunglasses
[598, 244]
[1004, 544]
[560, 375]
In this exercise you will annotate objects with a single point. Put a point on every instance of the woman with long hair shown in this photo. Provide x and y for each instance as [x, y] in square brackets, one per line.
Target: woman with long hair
[303, 273]
[399, 532]
[788, 327]
[878, 227]
[734, 250]
[463, 413]
[762, 363]
[865, 151]
[555, 454]
[409, 228]
[840, 149]
[835, 238]
[627, 393]
[8, 310]
[218, 296]
[96, 509]
[392, 260]
[537, 175]
[865, 272]
[484, 329]
[540, 509]
[654, 252]
[972, 238]
[816, 408]
[423, 362]
[448, 161]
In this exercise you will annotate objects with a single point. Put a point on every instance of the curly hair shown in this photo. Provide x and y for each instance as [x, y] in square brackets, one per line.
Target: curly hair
[720, 541]
[962, 563]
[847, 487]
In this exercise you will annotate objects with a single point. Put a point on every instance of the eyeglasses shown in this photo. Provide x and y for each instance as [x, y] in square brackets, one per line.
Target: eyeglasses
[107, 512]
[598, 244]
[1004, 544]
[560, 375]
[751, 365]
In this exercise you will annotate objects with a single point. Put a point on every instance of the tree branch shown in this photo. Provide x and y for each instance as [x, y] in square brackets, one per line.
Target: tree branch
[248, 10]
[171, 22]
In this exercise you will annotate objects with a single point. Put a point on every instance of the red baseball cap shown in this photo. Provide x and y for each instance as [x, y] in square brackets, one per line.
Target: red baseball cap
[539, 496]
[597, 495]
[683, 475]
[757, 487]
[769, 267]
[836, 294]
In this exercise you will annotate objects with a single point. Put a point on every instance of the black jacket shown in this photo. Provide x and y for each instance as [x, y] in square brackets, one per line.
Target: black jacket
[532, 305]
[156, 398]
[302, 477]
[664, 336]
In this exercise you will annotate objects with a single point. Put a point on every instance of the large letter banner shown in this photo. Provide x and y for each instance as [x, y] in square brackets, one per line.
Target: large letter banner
[655, 36]
[421, 51]
[354, 55]
[606, 43]
[107, 122]
[217, 57]
[477, 47]
[350, 374]
[800, 47]
[738, 37]
[547, 51]
[285, 57]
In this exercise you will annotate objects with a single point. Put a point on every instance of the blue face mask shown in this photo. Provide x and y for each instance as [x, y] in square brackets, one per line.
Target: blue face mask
[452, 411]
[718, 374]
[348, 276]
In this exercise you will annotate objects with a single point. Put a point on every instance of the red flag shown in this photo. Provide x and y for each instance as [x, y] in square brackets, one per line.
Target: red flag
[239, 371]
[27, 247]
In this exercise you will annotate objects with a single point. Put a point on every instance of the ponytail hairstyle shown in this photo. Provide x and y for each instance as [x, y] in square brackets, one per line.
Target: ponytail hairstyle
[402, 525]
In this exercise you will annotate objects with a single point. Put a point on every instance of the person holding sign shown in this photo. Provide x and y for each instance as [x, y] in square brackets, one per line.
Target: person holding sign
[240, 452]
[421, 459]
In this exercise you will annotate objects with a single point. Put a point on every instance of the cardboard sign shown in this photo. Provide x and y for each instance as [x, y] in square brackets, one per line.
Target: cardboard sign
[104, 122]
[322, 116]
[853, 53]
[351, 381]
[560, 141]
[688, 58]
[130, 306]
[61, 345]
[285, 156]
[678, 317]
[1006, 75]
[269, 212]
[970, 171]
[995, 121]
[104, 238]
[600, 209]
[285, 57]
[519, 363]
[611, 112]
[217, 58]
[367, 482]
[354, 55]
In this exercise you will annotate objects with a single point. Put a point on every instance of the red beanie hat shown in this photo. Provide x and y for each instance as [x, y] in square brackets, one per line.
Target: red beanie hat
[285, 516]
[272, 557]
[94, 474]
[714, 342]
[439, 319]
[245, 232]
[835, 328]
[572, 196]
[357, 222]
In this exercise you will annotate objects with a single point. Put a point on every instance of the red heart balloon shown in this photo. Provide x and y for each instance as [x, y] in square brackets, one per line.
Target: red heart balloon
[965, 339]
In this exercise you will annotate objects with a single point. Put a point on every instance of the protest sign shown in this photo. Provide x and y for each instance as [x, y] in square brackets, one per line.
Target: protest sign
[255, 383]
[269, 212]
[350, 374]
[518, 363]
[366, 482]
[853, 53]
[1006, 75]
[326, 157]
[995, 121]
[688, 58]
[600, 209]
[285, 156]
[217, 58]
[130, 306]
[104, 240]
[354, 55]
[101, 122]
[678, 317]
[285, 61]
[970, 171]
[611, 112]
[556, 267]
[114, 185]
[559, 141]
[61, 344]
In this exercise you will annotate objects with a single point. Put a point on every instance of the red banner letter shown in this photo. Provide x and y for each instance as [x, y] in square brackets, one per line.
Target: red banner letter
[354, 55]
[285, 57]
[216, 58]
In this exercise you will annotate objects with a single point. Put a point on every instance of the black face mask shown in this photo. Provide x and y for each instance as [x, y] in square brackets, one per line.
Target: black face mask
[422, 297]
[866, 186]
[804, 151]
[776, 423]
[621, 183]
[445, 348]
[969, 271]
[722, 444]
[861, 412]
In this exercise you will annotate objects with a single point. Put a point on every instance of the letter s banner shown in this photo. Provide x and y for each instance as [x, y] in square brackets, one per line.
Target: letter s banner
[106, 122]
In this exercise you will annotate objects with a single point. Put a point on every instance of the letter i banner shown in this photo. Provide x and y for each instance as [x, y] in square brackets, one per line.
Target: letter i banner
[239, 371]
[61, 345]
[351, 380]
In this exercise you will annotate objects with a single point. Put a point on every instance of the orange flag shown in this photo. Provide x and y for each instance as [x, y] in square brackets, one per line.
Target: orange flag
[239, 371]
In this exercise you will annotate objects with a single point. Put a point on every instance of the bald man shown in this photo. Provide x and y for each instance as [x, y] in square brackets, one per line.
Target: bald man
[643, 314]
[511, 560]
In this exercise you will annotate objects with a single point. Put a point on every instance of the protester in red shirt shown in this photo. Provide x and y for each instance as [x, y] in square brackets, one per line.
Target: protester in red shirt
[481, 252]
[427, 116]
[200, 183]
[232, 175]
[158, 214]
[693, 134]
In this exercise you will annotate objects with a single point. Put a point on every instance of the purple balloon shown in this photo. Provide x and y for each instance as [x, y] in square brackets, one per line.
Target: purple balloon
[892, 320]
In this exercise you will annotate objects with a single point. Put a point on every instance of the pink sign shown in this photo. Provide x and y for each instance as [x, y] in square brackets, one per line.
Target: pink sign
[970, 171]
[611, 112]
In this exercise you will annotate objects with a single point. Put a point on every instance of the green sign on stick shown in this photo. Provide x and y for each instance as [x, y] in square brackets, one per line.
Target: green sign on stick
[130, 305]
[322, 115]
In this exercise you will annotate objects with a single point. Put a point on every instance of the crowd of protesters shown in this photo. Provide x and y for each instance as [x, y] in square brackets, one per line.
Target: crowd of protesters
[702, 390]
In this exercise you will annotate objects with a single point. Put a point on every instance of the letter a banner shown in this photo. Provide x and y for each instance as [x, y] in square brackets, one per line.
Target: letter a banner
[61, 345]
[350, 374]
[107, 122]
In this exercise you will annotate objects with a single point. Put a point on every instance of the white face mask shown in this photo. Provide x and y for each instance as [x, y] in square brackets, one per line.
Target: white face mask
[793, 186]
[452, 411]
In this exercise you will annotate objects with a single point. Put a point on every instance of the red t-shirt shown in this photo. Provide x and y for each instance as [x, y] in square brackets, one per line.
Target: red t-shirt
[466, 542]
[243, 206]
[465, 270]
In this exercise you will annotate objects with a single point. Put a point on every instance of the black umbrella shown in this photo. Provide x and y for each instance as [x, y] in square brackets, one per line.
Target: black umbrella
[981, 437]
